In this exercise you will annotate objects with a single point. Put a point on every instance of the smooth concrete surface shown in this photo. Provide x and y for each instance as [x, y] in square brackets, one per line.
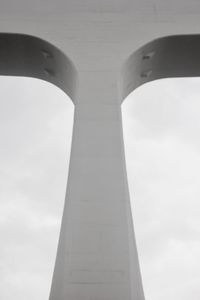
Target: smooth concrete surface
[28, 56]
[110, 45]
[168, 57]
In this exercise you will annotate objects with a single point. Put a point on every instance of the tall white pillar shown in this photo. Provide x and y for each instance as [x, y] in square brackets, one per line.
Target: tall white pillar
[97, 257]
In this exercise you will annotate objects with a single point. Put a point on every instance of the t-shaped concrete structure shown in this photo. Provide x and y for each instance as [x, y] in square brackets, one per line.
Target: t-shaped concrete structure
[98, 51]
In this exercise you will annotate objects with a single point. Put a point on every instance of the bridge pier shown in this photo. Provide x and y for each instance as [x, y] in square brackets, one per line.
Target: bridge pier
[97, 256]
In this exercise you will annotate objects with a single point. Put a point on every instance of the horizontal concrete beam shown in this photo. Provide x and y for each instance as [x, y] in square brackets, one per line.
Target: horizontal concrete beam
[168, 57]
[28, 56]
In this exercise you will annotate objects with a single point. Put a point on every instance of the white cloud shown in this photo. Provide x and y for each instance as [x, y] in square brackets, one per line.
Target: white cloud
[161, 127]
[35, 129]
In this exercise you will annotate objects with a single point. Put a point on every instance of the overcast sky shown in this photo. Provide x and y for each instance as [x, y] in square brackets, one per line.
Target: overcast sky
[161, 130]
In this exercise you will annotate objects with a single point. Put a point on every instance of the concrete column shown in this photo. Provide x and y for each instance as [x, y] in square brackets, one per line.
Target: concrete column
[97, 257]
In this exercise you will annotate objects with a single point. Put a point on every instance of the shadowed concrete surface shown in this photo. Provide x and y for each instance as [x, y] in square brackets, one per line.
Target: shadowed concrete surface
[97, 257]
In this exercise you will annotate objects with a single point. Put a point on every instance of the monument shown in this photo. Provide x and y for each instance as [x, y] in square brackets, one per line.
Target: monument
[98, 51]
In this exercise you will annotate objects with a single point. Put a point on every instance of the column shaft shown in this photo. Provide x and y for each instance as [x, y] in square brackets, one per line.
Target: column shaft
[97, 257]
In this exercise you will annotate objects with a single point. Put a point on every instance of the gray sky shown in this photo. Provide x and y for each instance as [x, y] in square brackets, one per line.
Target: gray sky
[161, 129]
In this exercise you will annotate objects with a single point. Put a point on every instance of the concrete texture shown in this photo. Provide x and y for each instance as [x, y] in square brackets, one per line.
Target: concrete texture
[97, 257]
